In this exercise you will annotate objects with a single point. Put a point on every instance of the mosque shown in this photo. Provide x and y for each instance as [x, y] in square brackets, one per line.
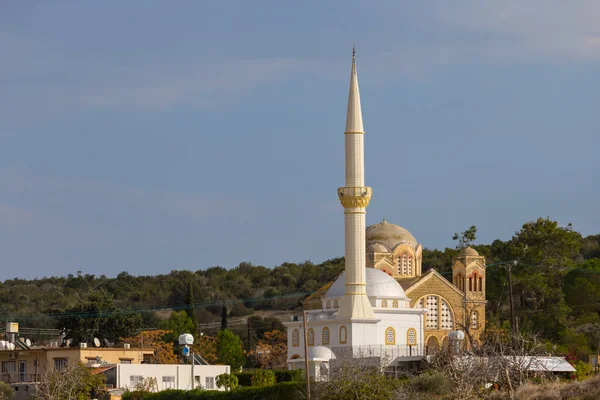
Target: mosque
[383, 306]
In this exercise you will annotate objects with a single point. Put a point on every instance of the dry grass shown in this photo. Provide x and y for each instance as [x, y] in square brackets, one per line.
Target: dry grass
[588, 389]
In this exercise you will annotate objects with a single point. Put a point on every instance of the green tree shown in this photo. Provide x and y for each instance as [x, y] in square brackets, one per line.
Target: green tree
[230, 350]
[179, 322]
[75, 382]
[465, 238]
[191, 310]
[263, 377]
[6, 392]
[98, 316]
[227, 381]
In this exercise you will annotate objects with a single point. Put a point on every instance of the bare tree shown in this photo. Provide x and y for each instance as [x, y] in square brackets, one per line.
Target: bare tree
[73, 382]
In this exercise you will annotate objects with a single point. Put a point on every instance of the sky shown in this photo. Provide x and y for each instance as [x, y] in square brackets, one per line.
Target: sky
[156, 136]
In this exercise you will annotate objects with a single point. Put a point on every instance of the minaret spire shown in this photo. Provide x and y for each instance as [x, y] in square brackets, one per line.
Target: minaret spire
[355, 197]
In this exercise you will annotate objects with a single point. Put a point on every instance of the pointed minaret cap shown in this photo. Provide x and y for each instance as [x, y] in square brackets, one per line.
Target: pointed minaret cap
[354, 122]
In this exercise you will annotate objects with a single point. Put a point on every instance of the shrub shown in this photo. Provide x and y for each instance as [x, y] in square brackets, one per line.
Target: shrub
[280, 391]
[436, 383]
[227, 381]
[6, 392]
[263, 377]
[582, 370]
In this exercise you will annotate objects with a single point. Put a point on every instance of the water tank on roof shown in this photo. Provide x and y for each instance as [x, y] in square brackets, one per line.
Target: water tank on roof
[186, 339]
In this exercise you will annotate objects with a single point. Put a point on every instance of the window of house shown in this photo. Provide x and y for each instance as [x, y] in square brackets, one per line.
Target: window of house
[60, 363]
[328, 304]
[135, 381]
[343, 334]
[335, 304]
[125, 360]
[168, 382]
[295, 338]
[311, 337]
[197, 381]
[395, 304]
[326, 335]
[210, 382]
[390, 336]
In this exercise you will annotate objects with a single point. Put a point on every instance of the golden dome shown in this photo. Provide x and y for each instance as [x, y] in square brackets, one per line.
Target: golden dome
[389, 234]
[468, 252]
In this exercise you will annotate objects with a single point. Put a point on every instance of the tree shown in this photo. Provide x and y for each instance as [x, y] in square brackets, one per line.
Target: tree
[230, 350]
[271, 350]
[164, 351]
[6, 392]
[227, 381]
[263, 377]
[191, 310]
[223, 317]
[74, 382]
[465, 238]
[98, 316]
[179, 322]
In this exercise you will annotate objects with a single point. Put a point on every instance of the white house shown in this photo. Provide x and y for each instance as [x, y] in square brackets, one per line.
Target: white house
[165, 376]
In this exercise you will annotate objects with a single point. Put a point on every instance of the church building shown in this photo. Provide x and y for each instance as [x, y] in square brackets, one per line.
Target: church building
[383, 306]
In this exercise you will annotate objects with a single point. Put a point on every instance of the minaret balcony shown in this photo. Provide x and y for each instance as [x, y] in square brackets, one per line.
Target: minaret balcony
[355, 197]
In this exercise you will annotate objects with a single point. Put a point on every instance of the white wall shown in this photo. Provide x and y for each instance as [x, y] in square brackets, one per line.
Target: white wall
[181, 374]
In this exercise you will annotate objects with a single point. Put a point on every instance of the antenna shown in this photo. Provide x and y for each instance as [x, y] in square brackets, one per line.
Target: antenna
[96, 342]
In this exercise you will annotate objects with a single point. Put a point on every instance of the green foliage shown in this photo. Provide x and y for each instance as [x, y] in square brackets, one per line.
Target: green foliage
[75, 382]
[281, 375]
[358, 384]
[582, 370]
[179, 322]
[434, 383]
[263, 377]
[465, 238]
[98, 316]
[6, 392]
[230, 350]
[280, 391]
[227, 381]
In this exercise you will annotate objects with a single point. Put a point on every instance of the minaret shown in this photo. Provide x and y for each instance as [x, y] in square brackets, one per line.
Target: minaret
[355, 197]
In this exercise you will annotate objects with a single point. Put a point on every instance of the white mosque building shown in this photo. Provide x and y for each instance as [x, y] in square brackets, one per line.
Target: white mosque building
[365, 312]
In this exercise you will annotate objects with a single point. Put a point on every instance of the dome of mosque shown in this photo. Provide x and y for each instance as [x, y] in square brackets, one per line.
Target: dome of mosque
[468, 252]
[379, 284]
[389, 234]
[378, 248]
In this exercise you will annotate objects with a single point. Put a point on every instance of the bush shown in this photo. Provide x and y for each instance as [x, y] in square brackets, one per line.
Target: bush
[263, 377]
[227, 381]
[582, 370]
[280, 391]
[281, 375]
[436, 383]
[6, 392]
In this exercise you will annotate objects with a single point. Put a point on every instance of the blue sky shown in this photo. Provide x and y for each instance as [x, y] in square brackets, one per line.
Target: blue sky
[151, 136]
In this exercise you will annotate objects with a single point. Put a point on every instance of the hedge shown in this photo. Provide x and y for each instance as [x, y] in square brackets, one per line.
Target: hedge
[281, 375]
[279, 391]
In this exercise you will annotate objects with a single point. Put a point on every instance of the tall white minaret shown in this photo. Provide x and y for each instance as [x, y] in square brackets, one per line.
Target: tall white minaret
[355, 197]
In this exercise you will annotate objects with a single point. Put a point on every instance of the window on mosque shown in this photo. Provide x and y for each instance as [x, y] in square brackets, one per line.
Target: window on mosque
[310, 335]
[439, 313]
[395, 304]
[411, 337]
[336, 304]
[296, 338]
[390, 336]
[383, 303]
[326, 335]
[480, 284]
[328, 304]
[343, 334]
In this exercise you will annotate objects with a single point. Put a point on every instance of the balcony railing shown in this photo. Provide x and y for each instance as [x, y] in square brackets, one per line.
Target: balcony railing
[17, 377]
[388, 353]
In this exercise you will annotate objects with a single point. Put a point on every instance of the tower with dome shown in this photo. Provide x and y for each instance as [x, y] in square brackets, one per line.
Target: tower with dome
[383, 307]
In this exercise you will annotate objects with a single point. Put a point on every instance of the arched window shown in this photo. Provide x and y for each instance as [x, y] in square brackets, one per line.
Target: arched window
[295, 338]
[474, 320]
[409, 268]
[404, 263]
[480, 284]
[446, 317]
[328, 304]
[335, 304]
[411, 337]
[470, 284]
[432, 307]
[395, 304]
[383, 303]
[325, 335]
[343, 334]
[311, 337]
[390, 336]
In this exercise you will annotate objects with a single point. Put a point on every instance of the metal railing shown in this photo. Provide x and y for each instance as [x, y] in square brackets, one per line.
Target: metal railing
[17, 377]
[388, 352]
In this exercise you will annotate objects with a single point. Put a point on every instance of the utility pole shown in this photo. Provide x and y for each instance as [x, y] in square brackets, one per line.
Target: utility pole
[513, 325]
[307, 372]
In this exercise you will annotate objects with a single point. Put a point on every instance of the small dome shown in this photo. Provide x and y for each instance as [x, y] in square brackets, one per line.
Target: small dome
[378, 248]
[468, 252]
[320, 352]
[379, 284]
[389, 234]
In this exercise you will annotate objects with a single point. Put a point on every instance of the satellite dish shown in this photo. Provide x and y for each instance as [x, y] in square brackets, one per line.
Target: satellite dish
[68, 342]
[28, 342]
[96, 342]
[106, 343]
